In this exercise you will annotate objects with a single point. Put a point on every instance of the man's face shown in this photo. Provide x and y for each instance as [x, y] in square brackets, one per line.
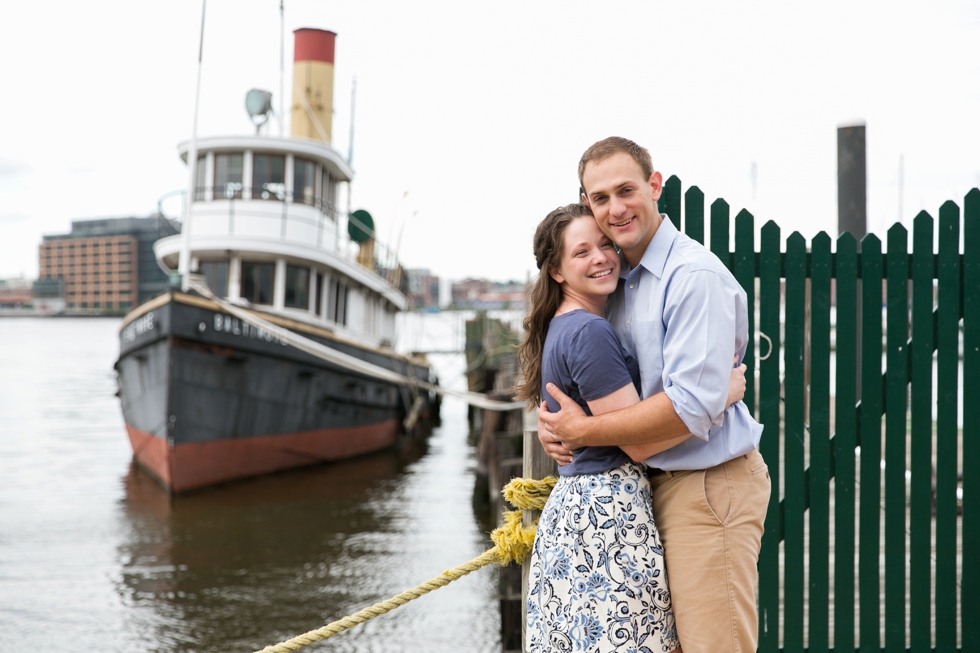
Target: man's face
[623, 202]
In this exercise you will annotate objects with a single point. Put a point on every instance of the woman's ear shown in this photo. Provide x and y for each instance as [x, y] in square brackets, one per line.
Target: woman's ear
[555, 274]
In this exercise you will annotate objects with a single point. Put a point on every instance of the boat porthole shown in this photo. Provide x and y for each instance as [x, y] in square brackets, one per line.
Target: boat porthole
[201, 326]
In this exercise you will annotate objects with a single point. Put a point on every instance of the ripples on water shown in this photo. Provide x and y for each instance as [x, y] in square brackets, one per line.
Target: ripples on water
[94, 555]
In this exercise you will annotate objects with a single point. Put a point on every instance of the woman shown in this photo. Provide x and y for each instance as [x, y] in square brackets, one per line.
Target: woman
[597, 579]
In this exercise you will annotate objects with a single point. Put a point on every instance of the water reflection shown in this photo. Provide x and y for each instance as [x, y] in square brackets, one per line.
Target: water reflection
[275, 554]
[242, 566]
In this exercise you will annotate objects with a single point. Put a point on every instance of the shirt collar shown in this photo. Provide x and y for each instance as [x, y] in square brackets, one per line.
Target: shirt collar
[654, 259]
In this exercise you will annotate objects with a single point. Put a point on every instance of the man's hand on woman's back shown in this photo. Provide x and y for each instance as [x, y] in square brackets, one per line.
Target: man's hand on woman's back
[553, 427]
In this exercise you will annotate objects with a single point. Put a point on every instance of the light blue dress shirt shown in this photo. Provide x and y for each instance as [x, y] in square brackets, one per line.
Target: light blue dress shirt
[683, 316]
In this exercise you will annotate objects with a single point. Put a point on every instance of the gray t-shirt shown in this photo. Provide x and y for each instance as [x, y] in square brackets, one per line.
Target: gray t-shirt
[582, 356]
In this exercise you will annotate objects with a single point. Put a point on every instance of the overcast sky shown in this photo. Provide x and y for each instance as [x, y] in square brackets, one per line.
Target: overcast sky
[480, 111]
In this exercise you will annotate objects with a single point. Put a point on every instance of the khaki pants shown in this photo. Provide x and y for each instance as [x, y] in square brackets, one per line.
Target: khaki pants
[711, 523]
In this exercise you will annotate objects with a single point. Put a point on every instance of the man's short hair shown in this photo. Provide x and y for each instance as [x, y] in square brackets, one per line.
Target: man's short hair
[613, 145]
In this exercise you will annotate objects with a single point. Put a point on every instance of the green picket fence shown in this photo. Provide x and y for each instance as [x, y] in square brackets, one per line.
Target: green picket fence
[864, 529]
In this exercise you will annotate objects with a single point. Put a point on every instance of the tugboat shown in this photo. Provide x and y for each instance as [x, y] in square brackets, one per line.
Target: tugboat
[211, 386]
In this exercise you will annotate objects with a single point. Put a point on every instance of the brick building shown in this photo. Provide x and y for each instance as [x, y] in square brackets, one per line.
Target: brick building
[99, 272]
[106, 265]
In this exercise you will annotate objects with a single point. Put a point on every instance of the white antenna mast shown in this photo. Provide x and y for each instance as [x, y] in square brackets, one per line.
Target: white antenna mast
[350, 144]
[901, 188]
[184, 265]
[282, 67]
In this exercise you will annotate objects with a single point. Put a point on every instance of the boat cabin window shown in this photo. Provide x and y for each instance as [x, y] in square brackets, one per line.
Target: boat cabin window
[268, 177]
[337, 301]
[304, 172]
[257, 282]
[228, 176]
[216, 274]
[297, 287]
[342, 304]
[328, 195]
[200, 174]
[319, 293]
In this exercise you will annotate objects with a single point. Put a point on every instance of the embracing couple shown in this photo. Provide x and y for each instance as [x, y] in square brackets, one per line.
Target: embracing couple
[634, 339]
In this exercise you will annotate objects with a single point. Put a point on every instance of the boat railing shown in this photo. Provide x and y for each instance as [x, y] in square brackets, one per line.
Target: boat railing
[274, 192]
[278, 218]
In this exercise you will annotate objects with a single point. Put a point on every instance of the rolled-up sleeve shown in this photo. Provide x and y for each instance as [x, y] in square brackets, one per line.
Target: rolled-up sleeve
[699, 348]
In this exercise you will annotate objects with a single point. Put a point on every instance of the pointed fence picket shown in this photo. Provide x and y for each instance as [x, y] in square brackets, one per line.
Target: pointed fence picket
[863, 545]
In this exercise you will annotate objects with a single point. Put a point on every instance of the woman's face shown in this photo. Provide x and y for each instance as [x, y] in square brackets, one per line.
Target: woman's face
[589, 261]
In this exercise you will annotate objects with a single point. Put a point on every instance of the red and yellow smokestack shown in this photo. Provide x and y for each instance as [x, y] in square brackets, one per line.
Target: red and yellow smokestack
[312, 109]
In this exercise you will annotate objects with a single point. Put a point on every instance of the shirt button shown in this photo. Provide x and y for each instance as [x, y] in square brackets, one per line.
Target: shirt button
[627, 322]
[631, 285]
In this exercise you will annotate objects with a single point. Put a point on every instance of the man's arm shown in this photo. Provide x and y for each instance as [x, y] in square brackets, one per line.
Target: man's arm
[640, 452]
[652, 420]
[625, 398]
[571, 428]
[550, 442]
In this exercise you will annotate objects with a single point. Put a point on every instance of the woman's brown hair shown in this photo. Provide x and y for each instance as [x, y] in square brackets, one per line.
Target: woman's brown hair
[544, 298]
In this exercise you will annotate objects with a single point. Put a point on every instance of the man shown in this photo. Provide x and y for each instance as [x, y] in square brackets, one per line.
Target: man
[681, 314]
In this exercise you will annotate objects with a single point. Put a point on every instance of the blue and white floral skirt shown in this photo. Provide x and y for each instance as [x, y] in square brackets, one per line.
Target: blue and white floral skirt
[597, 580]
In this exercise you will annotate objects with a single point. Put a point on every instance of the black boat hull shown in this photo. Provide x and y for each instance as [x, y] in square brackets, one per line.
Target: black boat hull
[207, 398]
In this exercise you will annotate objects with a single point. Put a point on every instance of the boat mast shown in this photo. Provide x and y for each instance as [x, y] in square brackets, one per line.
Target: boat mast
[350, 147]
[350, 144]
[184, 265]
[282, 68]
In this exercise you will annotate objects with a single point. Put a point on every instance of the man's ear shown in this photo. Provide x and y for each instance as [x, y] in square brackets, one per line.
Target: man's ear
[555, 274]
[585, 200]
[656, 182]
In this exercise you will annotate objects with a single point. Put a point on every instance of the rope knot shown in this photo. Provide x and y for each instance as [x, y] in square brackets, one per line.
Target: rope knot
[513, 540]
[529, 493]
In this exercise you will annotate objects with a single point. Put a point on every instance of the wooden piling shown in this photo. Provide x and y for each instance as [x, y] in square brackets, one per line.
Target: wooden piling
[537, 465]
[492, 368]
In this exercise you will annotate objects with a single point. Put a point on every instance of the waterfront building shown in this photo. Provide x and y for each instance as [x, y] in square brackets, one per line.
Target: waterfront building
[15, 293]
[49, 296]
[106, 265]
[482, 294]
[20, 296]
[423, 288]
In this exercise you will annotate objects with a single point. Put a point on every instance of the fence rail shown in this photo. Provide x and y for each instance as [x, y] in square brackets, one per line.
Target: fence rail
[863, 548]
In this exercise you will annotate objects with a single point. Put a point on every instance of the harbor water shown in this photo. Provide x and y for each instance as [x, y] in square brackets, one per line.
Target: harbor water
[94, 555]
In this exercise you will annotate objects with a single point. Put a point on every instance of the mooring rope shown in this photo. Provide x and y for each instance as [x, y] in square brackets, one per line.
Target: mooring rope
[347, 361]
[512, 543]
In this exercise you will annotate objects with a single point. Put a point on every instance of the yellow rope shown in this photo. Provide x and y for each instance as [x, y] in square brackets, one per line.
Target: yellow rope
[529, 493]
[512, 543]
